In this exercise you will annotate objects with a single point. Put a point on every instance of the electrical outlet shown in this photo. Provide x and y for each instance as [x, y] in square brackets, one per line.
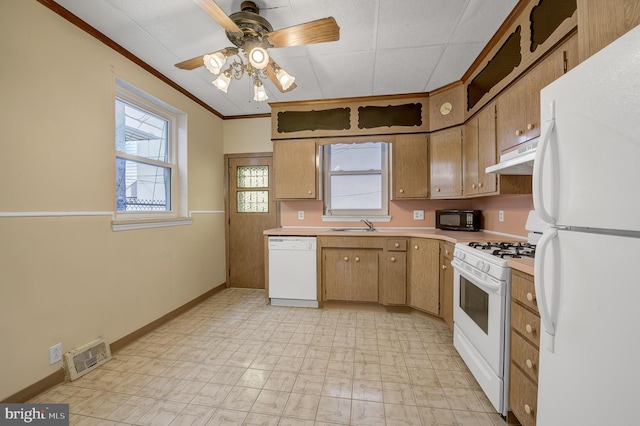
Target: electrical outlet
[501, 216]
[55, 353]
[301, 214]
[418, 215]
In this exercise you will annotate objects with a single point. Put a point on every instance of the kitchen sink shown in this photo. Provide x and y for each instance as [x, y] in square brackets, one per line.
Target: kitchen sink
[353, 229]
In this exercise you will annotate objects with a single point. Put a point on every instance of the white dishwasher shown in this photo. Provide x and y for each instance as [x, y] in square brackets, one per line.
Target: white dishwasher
[292, 271]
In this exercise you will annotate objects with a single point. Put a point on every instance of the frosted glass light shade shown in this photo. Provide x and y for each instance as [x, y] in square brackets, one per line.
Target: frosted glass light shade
[259, 58]
[223, 82]
[214, 62]
[259, 94]
[285, 79]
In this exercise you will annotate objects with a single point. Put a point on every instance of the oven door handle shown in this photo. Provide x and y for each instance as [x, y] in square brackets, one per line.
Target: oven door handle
[486, 285]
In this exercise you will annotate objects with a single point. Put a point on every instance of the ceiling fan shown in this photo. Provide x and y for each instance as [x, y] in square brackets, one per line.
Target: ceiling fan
[253, 36]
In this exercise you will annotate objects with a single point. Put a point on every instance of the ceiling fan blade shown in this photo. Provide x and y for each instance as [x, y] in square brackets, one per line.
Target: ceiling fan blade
[272, 76]
[191, 64]
[319, 31]
[218, 15]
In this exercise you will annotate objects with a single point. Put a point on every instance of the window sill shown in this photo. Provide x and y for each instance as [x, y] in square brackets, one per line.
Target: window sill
[129, 225]
[373, 219]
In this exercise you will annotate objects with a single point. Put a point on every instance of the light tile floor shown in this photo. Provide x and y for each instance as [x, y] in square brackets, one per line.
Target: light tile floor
[236, 360]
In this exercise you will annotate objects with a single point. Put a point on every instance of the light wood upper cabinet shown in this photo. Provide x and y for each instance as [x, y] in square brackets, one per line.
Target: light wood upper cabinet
[424, 275]
[410, 167]
[446, 106]
[446, 163]
[602, 21]
[480, 152]
[294, 164]
[518, 109]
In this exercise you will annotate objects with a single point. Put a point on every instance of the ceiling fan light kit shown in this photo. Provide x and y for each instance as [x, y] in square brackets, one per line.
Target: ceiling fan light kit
[253, 34]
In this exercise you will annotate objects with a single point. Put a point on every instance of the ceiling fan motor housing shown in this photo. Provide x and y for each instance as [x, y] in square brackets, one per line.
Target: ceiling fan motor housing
[253, 26]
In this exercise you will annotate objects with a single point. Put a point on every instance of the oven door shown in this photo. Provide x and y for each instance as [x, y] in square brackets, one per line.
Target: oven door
[479, 312]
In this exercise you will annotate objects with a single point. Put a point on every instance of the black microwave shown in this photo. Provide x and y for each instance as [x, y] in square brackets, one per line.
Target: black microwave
[458, 220]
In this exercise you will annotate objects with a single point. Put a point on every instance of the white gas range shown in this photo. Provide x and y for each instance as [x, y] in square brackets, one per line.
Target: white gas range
[481, 314]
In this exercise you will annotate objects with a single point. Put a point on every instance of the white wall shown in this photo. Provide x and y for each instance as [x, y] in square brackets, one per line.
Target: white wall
[72, 279]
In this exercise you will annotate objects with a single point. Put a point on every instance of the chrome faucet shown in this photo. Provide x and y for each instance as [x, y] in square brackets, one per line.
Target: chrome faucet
[368, 223]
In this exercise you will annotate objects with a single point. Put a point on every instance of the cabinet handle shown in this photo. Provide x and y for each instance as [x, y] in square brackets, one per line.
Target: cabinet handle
[444, 267]
[473, 185]
[530, 126]
[528, 409]
[346, 259]
[437, 189]
[401, 191]
[529, 364]
[446, 252]
[480, 185]
[519, 132]
[530, 297]
[396, 245]
[357, 259]
[529, 328]
[415, 247]
[393, 259]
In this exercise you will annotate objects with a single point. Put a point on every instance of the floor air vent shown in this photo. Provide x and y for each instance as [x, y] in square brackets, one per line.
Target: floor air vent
[86, 358]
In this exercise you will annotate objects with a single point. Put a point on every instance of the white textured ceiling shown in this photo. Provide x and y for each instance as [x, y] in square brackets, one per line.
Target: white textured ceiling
[385, 47]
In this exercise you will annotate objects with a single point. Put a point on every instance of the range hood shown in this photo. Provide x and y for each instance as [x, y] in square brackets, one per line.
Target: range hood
[516, 162]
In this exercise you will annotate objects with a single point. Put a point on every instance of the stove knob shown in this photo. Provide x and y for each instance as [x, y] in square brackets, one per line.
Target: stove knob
[487, 267]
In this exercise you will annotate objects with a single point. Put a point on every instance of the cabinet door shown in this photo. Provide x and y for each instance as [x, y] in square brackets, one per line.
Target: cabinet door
[364, 287]
[487, 149]
[294, 164]
[336, 274]
[511, 116]
[470, 146]
[424, 275]
[446, 163]
[446, 284]
[602, 21]
[409, 167]
[393, 282]
[350, 275]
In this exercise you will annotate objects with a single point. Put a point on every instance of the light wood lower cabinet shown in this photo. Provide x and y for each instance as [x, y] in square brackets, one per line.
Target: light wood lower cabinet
[424, 275]
[393, 272]
[525, 349]
[350, 274]
[446, 283]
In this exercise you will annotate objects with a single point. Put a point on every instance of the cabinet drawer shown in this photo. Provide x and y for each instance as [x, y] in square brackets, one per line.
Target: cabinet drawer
[526, 323]
[523, 397]
[395, 244]
[525, 355]
[523, 290]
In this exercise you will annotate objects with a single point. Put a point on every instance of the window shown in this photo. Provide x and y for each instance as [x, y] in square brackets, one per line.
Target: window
[150, 160]
[356, 179]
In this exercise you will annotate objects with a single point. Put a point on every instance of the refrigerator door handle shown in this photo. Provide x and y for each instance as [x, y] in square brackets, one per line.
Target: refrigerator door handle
[538, 163]
[541, 297]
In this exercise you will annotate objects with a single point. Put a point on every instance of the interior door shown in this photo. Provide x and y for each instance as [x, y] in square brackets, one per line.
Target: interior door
[251, 210]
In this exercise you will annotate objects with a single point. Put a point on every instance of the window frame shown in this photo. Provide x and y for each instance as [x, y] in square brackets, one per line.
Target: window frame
[176, 152]
[355, 215]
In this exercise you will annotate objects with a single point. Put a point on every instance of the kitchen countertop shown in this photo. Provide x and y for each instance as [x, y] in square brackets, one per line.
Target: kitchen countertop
[522, 264]
[450, 236]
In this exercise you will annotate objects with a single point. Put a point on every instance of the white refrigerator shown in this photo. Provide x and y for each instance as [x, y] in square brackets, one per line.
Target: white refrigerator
[586, 185]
